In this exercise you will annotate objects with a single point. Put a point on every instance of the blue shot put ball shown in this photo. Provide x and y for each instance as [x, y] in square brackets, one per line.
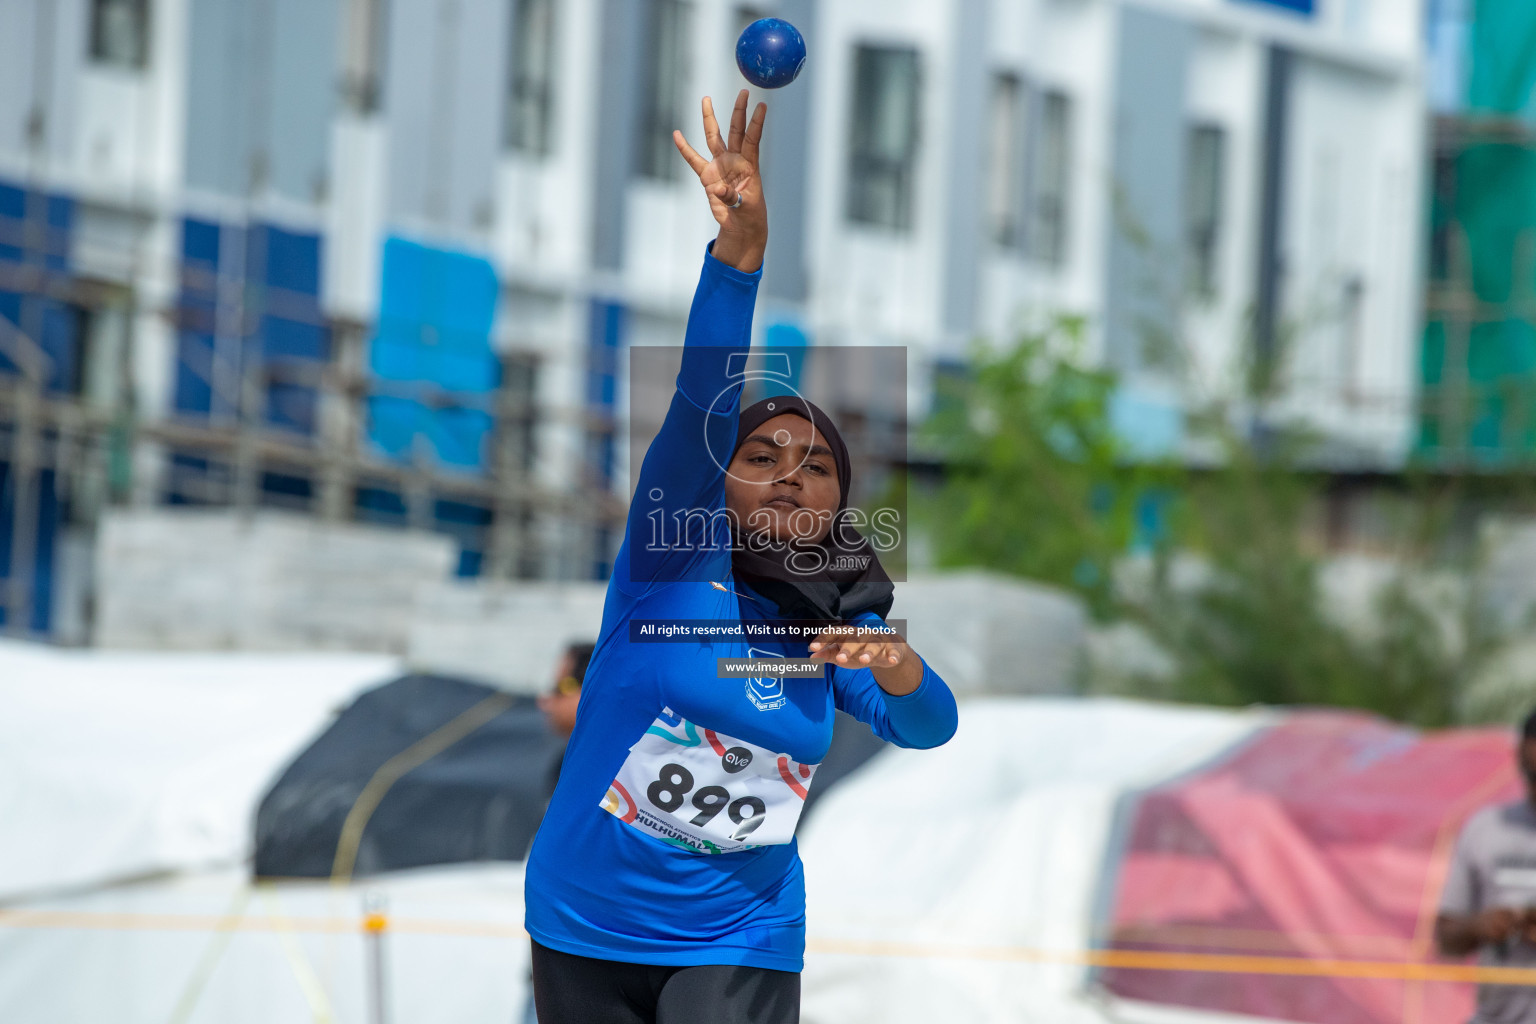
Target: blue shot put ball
[770, 53]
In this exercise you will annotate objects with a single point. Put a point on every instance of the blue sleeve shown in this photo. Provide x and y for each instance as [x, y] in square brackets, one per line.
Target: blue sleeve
[926, 717]
[684, 468]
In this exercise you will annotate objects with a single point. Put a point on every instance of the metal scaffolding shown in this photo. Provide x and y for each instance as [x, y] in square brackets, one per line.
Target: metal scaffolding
[73, 440]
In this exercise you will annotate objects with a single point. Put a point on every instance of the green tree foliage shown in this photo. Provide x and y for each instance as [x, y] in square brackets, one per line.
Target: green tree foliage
[1034, 483]
[1257, 628]
[1037, 484]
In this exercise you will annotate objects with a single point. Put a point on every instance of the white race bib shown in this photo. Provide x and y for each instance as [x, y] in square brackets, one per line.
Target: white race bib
[695, 788]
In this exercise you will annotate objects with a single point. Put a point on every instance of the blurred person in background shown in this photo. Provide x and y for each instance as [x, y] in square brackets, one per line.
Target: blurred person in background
[560, 703]
[1489, 902]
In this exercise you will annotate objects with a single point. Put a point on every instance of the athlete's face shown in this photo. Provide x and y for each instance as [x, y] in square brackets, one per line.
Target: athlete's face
[783, 481]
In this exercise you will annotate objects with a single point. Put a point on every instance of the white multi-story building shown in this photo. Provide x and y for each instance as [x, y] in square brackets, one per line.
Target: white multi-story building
[484, 196]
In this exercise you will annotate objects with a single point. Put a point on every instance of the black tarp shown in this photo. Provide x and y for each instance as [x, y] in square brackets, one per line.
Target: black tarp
[479, 799]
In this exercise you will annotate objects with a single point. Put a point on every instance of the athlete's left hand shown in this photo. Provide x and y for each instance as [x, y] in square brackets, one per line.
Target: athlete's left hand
[896, 667]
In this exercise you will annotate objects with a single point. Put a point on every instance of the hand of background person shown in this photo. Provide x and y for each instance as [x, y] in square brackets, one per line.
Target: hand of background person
[1497, 924]
[733, 184]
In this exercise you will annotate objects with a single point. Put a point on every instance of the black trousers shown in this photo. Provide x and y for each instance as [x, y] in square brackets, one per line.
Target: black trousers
[570, 989]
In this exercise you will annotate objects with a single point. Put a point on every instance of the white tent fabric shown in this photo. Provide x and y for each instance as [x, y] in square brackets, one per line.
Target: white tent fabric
[931, 876]
[990, 634]
[927, 871]
[115, 765]
[211, 948]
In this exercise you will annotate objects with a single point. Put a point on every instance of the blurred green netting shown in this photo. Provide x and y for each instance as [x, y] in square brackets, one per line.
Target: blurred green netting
[1503, 40]
[1478, 367]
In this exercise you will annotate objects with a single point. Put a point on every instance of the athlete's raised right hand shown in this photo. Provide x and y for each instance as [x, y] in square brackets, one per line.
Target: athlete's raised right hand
[732, 183]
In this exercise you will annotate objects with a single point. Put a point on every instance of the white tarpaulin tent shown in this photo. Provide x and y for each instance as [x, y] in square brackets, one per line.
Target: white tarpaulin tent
[929, 873]
[211, 948]
[934, 877]
[117, 765]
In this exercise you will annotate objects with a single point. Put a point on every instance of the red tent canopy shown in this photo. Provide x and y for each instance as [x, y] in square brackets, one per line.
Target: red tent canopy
[1326, 836]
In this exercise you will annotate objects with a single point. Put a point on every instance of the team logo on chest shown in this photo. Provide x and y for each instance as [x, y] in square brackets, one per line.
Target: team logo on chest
[766, 692]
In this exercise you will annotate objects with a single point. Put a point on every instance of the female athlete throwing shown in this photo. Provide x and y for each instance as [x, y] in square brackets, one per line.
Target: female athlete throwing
[664, 884]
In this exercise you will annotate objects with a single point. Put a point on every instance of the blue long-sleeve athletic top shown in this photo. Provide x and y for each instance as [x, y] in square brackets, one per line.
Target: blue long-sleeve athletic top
[597, 885]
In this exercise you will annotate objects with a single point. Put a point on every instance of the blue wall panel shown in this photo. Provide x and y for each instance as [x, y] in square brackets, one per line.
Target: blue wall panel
[55, 213]
[281, 279]
[469, 524]
[35, 230]
[607, 326]
[791, 341]
[200, 243]
[466, 522]
[292, 260]
[382, 506]
[1307, 7]
[436, 309]
[49, 519]
[278, 273]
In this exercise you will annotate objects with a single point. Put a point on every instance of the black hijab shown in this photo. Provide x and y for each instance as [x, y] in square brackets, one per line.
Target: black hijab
[831, 581]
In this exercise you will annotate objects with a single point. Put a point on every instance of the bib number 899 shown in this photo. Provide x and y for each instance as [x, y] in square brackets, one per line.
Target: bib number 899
[674, 782]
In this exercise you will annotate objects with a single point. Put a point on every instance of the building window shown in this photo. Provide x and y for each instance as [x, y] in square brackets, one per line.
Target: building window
[120, 32]
[518, 420]
[530, 95]
[666, 79]
[1005, 162]
[883, 160]
[362, 73]
[1204, 178]
[1052, 173]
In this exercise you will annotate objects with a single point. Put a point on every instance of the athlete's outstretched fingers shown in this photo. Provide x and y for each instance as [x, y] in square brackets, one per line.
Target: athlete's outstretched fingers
[695, 161]
[738, 121]
[874, 655]
[712, 129]
[824, 646]
[754, 134]
[846, 654]
[853, 654]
